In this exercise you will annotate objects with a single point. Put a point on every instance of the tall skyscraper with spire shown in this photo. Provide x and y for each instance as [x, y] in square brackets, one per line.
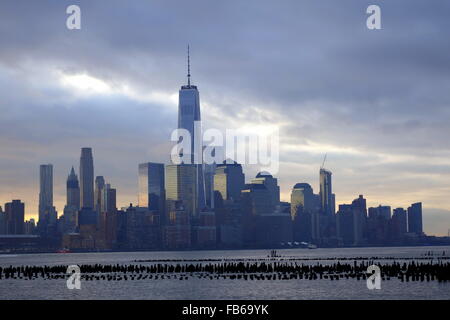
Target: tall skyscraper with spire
[73, 190]
[87, 178]
[189, 116]
[72, 202]
[99, 186]
[189, 119]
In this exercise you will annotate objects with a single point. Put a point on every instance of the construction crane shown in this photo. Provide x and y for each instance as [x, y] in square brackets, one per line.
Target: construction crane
[323, 163]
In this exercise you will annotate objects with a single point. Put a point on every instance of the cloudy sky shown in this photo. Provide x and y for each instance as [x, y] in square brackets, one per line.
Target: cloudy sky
[377, 101]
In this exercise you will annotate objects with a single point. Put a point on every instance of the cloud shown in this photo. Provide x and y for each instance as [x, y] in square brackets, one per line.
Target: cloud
[376, 101]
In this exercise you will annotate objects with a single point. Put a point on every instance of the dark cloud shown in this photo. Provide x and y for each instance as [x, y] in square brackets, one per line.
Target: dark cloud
[376, 101]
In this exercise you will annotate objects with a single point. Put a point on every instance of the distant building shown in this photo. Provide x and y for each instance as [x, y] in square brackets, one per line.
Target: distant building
[15, 217]
[327, 198]
[45, 192]
[181, 185]
[189, 119]
[29, 226]
[70, 216]
[305, 207]
[152, 193]
[257, 199]
[73, 190]
[47, 212]
[2, 221]
[351, 222]
[415, 219]
[378, 225]
[273, 230]
[359, 211]
[108, 199]
[229, 180]
[87, 216]
[98, 192]
[205, 231]
[399, 223]
[271, 184]
[87, 178]
[142, 228]
[177, 232]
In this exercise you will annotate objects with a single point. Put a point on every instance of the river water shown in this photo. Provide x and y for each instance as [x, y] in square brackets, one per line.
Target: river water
[237, 289]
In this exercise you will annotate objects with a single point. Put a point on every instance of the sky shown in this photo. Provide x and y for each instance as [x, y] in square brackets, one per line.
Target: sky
[377, 102]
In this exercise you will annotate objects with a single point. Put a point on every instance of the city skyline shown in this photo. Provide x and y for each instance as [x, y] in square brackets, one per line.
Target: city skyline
[126, 115]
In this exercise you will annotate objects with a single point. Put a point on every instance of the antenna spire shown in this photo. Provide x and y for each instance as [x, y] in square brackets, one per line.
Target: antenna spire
[189, 67]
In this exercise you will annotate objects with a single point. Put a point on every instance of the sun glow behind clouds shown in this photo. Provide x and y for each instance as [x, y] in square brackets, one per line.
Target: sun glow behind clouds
[83, 84]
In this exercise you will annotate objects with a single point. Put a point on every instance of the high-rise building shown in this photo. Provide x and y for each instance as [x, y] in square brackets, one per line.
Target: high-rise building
[181, 185]
[399, 223]
[98, 191]
[359, 213]
[305, 206]
[229, 180]
[302, 200]
[326, 192]
[2, 221]
[257, 200]
[73, 190]
[45, 191]
[87, 178]
[383, 212]
[271, 184]
[177, 232]
[378, 224]
[415, 218]
[189, 119]
[351, 222]
[152, 187]
[15, 217]
[108, 199]
[70, 218]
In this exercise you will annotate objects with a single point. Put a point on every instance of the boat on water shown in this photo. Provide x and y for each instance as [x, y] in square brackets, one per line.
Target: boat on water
[64, 250]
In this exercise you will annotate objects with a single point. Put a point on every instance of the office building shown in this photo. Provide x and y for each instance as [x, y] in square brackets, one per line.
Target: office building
[87, 179]
[415, 219]
[152, 187]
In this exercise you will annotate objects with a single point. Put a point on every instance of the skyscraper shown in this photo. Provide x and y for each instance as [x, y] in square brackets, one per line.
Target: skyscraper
[72, 203]
[326, 192]
[73, 190]
[152, 186]
[86, 178]
[229, 180]
[190, 120]
[415, 218]
[181, 185]
[302, 200]
[45, 191]
[108, 199]
[15, 217]
[399, 223]
[305, 206]
[271, 184]
[257, 200]
[99, 185]
[2, 221]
